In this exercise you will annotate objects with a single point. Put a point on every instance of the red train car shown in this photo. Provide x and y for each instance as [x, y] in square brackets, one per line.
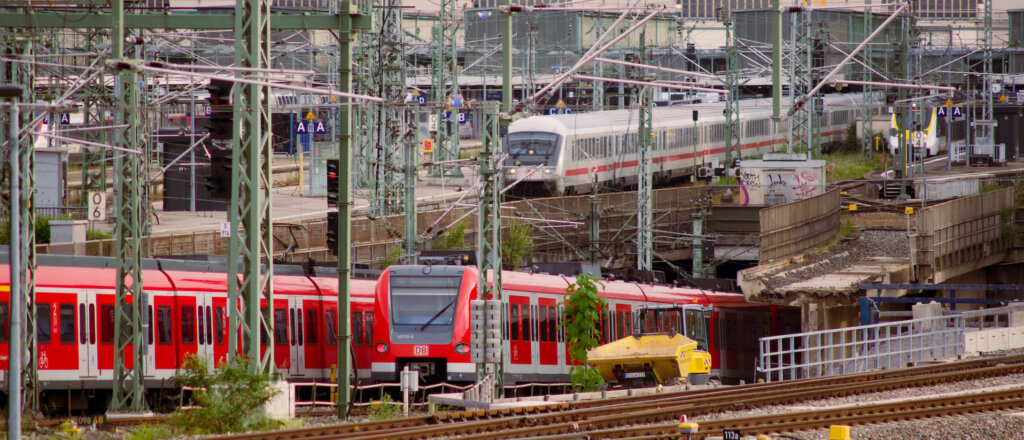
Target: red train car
[186, 313]
[423, 312]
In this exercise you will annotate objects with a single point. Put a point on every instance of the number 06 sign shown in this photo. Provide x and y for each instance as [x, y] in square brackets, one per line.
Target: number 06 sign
[97, 206]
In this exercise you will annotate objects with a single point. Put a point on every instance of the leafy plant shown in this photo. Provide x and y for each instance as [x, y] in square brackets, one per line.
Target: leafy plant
[228, 400]
[453, 238]
[581, 318]
[517, 244]
[385, 409]
[393, 256]
[990, 186]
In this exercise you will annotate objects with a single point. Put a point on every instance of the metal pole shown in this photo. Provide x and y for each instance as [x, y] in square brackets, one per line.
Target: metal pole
[14, 364]
[345, 36]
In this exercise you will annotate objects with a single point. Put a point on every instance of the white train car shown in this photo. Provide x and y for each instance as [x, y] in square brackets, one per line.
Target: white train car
[576, 153]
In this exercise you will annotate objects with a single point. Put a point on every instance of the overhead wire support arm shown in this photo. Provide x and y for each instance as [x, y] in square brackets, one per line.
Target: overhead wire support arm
[828, 78]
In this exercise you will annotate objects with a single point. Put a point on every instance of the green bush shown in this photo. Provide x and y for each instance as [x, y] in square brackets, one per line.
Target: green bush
[582, 315]
[96, 234]
[229, 400]
[517, 244]
[453, 238]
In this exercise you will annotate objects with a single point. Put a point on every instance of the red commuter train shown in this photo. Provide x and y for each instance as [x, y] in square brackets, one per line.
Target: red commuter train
[423, 322]
[185, 314]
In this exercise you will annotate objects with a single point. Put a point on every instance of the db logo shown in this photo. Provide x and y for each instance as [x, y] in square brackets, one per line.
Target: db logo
[420, 350]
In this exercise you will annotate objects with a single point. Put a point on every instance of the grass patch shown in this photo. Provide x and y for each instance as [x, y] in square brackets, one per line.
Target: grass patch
[385, 409]
[97, 234]
[850, 166]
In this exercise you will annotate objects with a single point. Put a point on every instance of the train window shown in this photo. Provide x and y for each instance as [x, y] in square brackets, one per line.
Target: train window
[514, 322]
[331, 327]
[81, 323]
[369, 327]
[163, 325]
[106, 324]
[4, 315]
[544, 321]
[552, 325]
[188, 325]
[298, 326]
[43, 323]
[620, 323]
[291, 321]
[149, 325]
[209, 326]
[536, 320]
[357, 328]
[264, 336]
[218, 322]
[92, 323]
[280, 327]
[67, 324]
[558, 316]
[202, 326]
[311, 328]
[526, 321]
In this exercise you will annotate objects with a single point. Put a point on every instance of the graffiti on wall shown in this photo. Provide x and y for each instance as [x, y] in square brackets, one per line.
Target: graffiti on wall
[777, 186]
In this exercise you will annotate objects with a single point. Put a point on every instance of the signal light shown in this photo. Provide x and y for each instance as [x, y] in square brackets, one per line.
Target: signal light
[332, 233]
[219, 180]
[332, 183]
[221, 113]
[381, 347]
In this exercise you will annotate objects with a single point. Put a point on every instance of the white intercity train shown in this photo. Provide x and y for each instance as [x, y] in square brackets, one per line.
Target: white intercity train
[580, 152]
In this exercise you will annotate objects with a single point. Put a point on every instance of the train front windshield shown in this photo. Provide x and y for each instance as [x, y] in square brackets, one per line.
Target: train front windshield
[423, 306]
[533, 148]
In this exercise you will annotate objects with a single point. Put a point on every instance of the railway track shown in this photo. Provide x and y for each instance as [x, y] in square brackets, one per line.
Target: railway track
[656, 415]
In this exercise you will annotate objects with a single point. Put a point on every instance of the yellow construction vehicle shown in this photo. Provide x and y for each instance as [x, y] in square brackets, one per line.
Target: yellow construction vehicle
[669, 345]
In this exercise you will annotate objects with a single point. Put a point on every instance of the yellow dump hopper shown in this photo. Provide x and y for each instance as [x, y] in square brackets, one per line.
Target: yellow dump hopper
[650, 360]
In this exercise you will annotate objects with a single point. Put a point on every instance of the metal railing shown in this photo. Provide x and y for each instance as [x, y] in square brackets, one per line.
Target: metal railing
[858, 349]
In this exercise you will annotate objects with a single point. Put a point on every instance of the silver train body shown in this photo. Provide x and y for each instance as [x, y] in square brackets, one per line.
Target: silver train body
[580, 152]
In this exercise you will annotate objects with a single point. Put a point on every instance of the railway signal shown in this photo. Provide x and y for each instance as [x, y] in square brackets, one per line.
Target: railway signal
[332, 183]
[219, 180]
[332, 233]
[221, 111]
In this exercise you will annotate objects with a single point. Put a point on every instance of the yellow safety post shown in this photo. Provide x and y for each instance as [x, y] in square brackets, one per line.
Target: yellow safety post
[839, 432]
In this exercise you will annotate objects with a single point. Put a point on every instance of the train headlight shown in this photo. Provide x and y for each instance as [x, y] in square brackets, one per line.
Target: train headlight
[462, 348]
[381, 347]
[547, 170]
[511, 170]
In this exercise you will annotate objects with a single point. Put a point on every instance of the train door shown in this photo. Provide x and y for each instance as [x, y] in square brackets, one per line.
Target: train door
[220, 329]
[313, 347]
[547, 337]
[296, 344]
[282, 346]
[147, 334]
[204, 322]
[164, 348]
[519, 336]
[88, 360]
[188, 336]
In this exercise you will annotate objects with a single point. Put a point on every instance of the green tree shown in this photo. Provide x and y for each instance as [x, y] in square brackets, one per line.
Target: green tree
[581, 315]
[453, 238]
[227, 401]
[517, 244]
